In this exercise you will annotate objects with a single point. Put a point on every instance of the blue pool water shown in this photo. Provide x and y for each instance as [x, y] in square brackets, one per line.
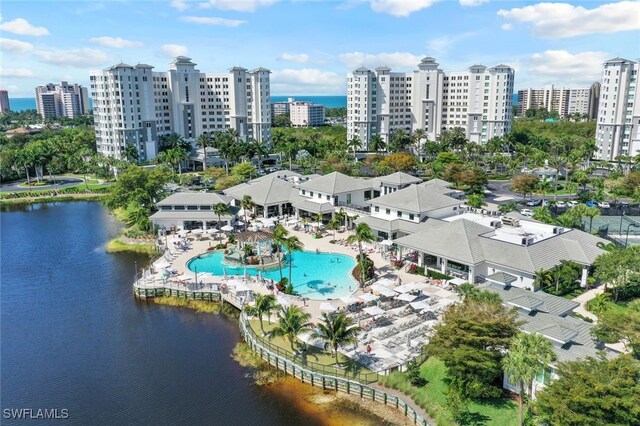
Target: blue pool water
[318, 276]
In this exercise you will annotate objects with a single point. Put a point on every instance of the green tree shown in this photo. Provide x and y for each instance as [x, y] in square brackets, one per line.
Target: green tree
[507, 207]
[399, 162]
[528, 354]
[335, 331]
[475, 201]
[618, 269]
[130, 153]
[334, 224]
[292, 321]
[592, 392]
[544, 185]
[139, 186]
[542, 214]
[221, 209]
[362, 234]
[244, 171]
[264, 304]
[474, 177]
[204, 141]
[376, 143]
[615, 325]
[247, 204]
[524, 184]
[292, 244]
[472, 339]
[354, 144]
[280, 235]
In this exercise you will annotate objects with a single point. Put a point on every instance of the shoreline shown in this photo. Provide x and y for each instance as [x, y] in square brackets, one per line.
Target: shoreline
[5, 201]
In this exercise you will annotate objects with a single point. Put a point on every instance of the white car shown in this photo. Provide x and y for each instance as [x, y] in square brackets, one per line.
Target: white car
[561, 203]
[603, 205]
[526, 212]
[572, 203]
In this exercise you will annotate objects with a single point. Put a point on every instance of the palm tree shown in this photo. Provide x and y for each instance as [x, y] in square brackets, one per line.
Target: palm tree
[353, 144]
[527, 353]
[203, 141]
[542, 214]
[292, 321]
[376, 143]
[130, 153]
[417, 137]
[247, 204]
[221, 209]
[280, 235]
[336, 330]
[507, 207]
[544, 185]
[265, 304]
[334, 224]
[292, 244]
[566, 220]
[362, 234]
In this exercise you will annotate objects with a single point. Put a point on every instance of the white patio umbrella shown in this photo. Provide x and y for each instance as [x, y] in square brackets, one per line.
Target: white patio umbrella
[197, 231]
[349, 300]
[386, 243]
[326, 306]
[387, 292]
[373, 310]
[407, 297]
[227, 228]
[419, 305]
[238, 223]
[387, 282]
[183, 232]
[368, 297]
[212, 231]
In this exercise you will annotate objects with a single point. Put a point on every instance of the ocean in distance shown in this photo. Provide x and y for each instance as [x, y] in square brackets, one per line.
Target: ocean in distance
[22, 104]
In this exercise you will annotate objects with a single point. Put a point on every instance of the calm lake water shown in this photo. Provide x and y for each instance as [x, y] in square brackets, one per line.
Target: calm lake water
[72, 336]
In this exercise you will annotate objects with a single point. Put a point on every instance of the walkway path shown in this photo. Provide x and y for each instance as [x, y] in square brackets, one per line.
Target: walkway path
[583, 299]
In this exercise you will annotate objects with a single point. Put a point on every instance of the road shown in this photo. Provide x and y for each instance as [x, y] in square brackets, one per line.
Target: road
[61, 182]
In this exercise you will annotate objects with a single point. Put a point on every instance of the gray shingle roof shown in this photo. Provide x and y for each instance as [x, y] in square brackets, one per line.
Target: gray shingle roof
[263, 191]
[336, 183]
[528, 300]
[416, 199]
[194, 198]
[390, 226]
[501, 278]
[399, 178]
[306, 204]
[207, 215]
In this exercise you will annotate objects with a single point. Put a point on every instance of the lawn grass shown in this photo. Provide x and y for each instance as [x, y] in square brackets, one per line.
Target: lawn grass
[117, 245]
[432, 398]
[200, 306]
[49, 199]
[314, 357]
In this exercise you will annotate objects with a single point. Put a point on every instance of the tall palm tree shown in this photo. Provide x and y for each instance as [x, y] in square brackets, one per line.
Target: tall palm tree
[130, 153]
[280, 234]
[507, 207]
[292, 244]
[265, 304]
[292, 321]
[376, 143]
[334, 224]
[203, 141]
[544, 185]
[416, 138]
[527, 354]
[542, 214]
[336, 330]
[221, 209]
[353, 144]
[247, 204]
[362, 234]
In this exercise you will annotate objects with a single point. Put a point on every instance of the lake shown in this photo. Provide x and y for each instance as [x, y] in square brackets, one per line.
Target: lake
[73, 337]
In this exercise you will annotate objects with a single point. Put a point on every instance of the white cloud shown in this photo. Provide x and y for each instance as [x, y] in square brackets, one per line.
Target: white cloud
[173, 50]
[559, 20]
[210, 20]
[400, 7]
[507, 27]
[15, 46]
[21, 26]
[79, 58]
[115, 42]
[15, 73]
[393, 60]
[438, 46]
[236, 5]
[561, 67]
[309, 81]
[292, 57]
[178, 4]
[472, 3]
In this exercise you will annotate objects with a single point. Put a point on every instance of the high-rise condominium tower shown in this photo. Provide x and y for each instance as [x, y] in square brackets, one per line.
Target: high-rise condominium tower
[134, 105]
[62, 100]
[478, 100]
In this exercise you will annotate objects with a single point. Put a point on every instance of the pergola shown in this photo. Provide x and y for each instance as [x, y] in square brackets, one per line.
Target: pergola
[258, 238]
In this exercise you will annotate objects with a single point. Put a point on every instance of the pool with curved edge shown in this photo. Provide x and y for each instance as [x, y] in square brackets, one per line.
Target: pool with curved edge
[317, 276]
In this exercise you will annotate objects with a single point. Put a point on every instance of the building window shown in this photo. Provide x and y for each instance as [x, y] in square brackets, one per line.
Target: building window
[411, 216]
[367, 195]
[388, 211]
[376, 209]
[399, 213]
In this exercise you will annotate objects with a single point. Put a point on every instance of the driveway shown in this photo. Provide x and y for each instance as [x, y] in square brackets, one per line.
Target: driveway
[61, 182]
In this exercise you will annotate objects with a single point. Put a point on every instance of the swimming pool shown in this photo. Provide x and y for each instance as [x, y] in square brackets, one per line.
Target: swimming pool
[318, 276]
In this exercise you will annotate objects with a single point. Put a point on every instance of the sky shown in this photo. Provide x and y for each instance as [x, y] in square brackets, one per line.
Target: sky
[310, 45]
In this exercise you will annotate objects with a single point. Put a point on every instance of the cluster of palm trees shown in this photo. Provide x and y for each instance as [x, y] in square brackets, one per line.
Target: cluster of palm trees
[291, 244]
[335, 330]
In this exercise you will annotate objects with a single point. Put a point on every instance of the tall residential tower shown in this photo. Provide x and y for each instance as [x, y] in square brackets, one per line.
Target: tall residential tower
[618, 131]
[135, 105]
[478, 100]
[62, 100]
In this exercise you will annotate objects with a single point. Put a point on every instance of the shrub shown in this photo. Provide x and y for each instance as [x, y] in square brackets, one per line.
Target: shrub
[413, 374]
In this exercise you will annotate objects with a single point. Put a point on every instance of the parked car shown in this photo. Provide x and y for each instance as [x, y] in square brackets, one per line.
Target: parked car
[591, 203]
[526, 212]
[603, 205]
[572, 203]
[561, 204]
[534, 203]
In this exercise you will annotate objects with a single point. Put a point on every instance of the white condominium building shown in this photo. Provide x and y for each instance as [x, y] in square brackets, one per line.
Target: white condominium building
[135, 105]
[62, 100]
[306, 114]
[561, 100]
[618, 130]
[478, 100]
[4, 102]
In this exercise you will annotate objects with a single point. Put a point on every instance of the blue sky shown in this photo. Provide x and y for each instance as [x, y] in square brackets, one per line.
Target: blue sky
[311, 45]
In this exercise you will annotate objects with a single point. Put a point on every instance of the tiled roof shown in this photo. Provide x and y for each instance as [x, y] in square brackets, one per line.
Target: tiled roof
[528, 300]
[263, 191]
[416, 199]
[399, 178]
[194, 198]
[336, 183]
